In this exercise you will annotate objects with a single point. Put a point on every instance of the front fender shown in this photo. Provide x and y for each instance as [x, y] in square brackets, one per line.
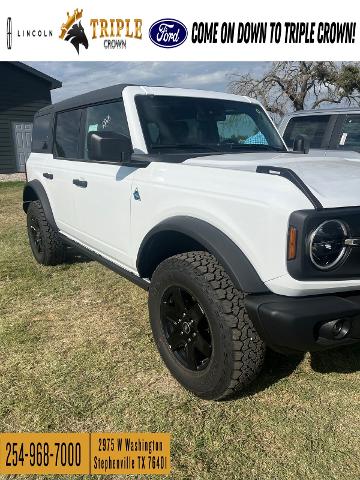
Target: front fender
[230, 256]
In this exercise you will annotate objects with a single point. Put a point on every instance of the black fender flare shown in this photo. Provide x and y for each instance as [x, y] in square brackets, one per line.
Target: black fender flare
[236, 264]
[34, 190]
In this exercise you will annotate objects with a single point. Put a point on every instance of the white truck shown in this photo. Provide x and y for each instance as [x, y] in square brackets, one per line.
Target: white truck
[194, 196]
[333, 132]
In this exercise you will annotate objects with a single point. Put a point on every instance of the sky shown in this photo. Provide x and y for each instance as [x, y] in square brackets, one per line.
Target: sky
[81, 77]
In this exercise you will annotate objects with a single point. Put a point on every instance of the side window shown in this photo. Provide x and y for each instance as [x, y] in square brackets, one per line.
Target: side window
[107, 117]
[67, 134]
[41, 136]
[313, 126]
[349, 138]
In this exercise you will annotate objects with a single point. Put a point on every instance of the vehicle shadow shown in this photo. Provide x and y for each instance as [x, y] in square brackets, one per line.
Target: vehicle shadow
[341, 360]
[72, 255]
[276, 367]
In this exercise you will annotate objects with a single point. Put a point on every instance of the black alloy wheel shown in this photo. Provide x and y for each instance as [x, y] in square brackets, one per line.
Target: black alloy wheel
[186, 328]
[36, 237]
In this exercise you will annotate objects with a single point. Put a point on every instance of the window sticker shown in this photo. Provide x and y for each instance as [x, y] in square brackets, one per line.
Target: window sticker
[93, 128]
[343, 139]
[106, 122]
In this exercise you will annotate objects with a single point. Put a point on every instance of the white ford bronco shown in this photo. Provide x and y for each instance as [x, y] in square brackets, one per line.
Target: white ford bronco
[194, 196]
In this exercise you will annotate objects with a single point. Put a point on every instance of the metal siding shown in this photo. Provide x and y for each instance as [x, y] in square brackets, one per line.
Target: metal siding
[21, 96]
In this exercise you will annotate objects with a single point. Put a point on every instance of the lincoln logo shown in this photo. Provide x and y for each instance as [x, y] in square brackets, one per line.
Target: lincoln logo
[9, 33]
[73, 31]
[168, 33]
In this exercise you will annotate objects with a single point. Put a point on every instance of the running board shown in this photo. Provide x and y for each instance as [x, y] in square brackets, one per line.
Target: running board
[293, 178]
[140, 282]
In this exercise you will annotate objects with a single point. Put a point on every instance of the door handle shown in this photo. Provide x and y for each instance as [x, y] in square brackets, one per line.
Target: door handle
[50, 176]
[80, 183]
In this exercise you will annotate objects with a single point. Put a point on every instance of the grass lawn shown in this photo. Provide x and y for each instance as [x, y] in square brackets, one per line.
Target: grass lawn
[76, 354]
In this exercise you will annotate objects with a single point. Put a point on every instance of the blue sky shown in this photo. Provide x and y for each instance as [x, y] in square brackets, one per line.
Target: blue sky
[81, 77]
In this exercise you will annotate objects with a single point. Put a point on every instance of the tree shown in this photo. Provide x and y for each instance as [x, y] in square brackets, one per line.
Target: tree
[289, 86]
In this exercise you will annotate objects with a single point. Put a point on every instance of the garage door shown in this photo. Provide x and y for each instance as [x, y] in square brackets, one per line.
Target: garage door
[22, 136]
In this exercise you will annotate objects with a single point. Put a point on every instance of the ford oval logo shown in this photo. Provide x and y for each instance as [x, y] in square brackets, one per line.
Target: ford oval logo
[168, 33]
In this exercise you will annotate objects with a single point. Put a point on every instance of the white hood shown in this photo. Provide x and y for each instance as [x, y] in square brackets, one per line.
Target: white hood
[334, 181]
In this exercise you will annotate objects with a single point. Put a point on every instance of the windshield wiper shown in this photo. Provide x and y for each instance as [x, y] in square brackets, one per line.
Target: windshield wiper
[255, 147]
[219, 147]
[180, 146]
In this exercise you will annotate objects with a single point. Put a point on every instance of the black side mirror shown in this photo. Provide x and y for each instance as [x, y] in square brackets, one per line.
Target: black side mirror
[301, 144]
[109, 147]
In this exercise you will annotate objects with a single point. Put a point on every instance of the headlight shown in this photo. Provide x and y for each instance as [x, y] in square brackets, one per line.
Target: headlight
[327, 244]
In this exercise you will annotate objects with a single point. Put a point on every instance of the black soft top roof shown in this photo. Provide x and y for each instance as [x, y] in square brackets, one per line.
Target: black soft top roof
[100, 95]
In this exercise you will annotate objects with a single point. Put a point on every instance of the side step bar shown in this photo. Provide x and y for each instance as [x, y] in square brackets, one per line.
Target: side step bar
[140, 282]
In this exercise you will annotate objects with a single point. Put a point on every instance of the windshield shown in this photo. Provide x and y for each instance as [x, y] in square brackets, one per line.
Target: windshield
[173, 124]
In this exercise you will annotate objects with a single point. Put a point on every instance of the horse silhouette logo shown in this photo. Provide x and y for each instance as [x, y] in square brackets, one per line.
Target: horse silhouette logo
[72, 31]
[76, 35]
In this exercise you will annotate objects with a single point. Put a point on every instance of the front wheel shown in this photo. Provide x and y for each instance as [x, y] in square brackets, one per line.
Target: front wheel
[201, 327]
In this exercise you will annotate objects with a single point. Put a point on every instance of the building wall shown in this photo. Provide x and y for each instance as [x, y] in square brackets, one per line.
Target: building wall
[21, 96]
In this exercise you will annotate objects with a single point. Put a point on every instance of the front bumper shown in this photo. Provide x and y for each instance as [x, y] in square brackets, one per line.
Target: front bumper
[306, 323]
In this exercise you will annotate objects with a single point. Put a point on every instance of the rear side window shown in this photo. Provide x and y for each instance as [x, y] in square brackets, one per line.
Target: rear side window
[107, 117]
[349, 138]
[67, 134]
[41, 135]
[313, 126]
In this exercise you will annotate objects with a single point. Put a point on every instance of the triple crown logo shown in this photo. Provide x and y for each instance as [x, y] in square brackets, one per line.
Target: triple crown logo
[73, 30]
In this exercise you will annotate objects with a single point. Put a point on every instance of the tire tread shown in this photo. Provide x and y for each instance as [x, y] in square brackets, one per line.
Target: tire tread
[248, 350]
[54, 247]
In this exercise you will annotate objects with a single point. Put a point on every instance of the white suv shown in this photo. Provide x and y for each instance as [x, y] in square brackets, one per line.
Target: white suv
[329, 132]
[194, 196]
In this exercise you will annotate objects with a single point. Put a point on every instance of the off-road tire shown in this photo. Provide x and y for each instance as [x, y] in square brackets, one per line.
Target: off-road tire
[52, 247]
[237, 351]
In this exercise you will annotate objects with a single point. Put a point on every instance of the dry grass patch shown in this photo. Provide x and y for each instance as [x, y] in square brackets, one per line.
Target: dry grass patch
[76, 354]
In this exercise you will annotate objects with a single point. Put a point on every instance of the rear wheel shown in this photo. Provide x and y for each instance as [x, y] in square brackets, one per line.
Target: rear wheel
[46, 245]
[201, 327]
